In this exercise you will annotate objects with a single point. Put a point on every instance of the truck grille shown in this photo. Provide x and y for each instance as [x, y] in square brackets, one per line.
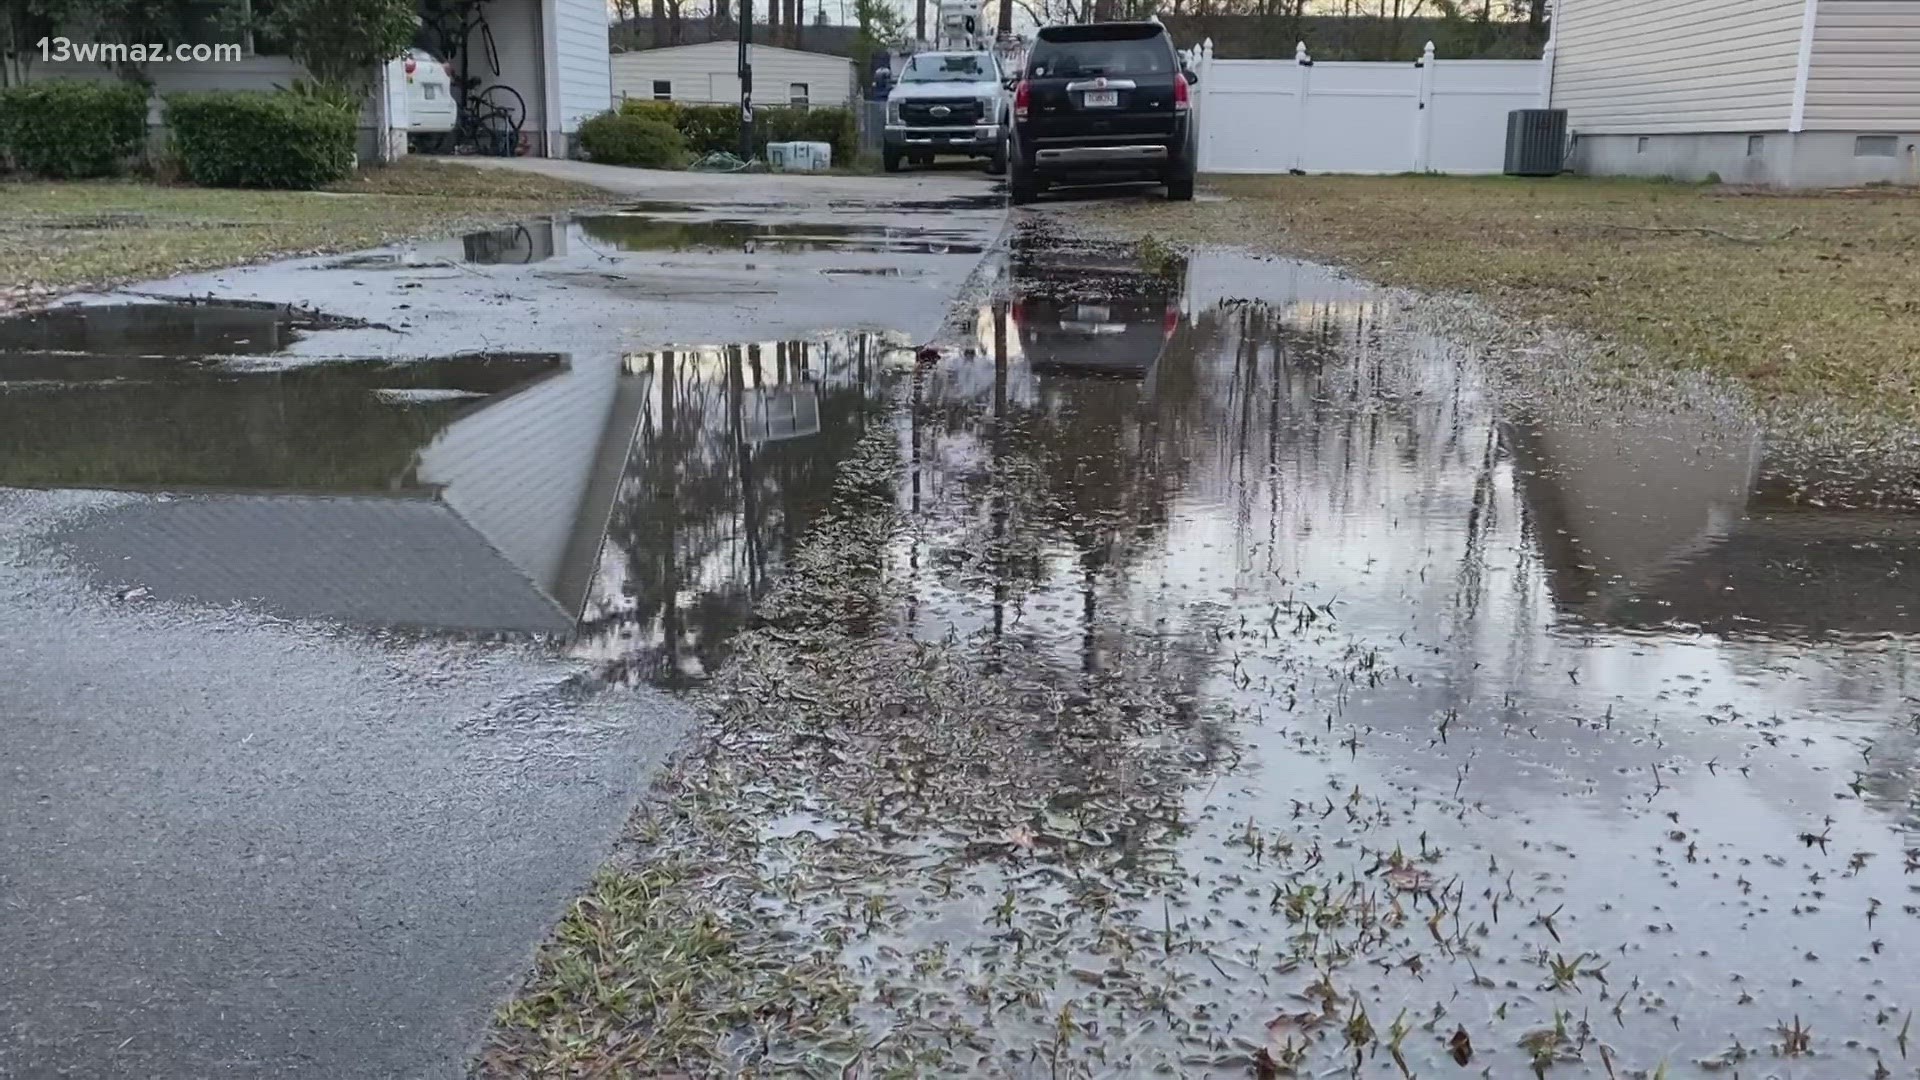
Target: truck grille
[958, 111]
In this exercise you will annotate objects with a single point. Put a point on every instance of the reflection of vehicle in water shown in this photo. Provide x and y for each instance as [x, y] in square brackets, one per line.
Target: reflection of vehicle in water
[1121, 335]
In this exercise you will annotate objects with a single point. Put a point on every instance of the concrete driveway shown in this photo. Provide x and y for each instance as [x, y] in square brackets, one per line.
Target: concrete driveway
[301, 759]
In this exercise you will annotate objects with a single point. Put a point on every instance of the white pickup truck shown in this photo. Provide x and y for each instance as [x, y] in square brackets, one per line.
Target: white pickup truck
[953, 103]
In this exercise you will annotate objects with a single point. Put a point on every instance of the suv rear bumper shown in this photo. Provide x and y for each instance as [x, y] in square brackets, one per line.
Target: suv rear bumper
[1105, 157]
[1145, 154]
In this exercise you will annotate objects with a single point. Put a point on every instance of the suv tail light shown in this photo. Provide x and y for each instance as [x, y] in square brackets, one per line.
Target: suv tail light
[1170, 321]
[1182, 96]
[1022, 99]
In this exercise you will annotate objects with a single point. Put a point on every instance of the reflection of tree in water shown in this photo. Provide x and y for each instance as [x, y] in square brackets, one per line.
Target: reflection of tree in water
[325, 427]
[726, 470]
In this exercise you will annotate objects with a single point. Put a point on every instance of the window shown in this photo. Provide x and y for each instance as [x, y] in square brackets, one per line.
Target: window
[1101, 49]
[1876, 145]
[1641, 146]
[797, 93]
[662, 90]
[1755, 144]
[948, 67]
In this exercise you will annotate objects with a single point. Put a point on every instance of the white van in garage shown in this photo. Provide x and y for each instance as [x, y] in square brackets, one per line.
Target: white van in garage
[431, 108]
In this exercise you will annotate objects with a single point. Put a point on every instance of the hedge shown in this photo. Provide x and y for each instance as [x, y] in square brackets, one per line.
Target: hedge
[708, 128]
[614, 138]
[267, 140]
[70, 128]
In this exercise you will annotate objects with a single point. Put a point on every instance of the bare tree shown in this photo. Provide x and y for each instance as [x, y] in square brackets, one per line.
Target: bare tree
[920, 20]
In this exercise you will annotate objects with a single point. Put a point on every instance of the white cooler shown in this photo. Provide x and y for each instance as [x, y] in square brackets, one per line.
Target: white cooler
[799, 156]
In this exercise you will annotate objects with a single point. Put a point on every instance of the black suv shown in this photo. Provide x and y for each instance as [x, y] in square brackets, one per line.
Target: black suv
[1103, 102]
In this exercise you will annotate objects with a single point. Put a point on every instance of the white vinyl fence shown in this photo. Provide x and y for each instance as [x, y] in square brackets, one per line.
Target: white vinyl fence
[1276, 116]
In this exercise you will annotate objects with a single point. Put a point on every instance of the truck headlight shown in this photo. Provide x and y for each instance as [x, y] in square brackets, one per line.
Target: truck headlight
[893, 112]
[989, 110]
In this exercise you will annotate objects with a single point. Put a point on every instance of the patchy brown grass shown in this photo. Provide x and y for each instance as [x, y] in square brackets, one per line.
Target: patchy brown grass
[1798, 296]
[60, 236]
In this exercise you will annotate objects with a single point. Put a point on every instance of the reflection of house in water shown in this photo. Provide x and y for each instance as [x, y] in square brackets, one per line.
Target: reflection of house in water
[1666, 520]
[466, 493]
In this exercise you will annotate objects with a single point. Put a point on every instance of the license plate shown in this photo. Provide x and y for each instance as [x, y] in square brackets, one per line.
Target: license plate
[1102, 99]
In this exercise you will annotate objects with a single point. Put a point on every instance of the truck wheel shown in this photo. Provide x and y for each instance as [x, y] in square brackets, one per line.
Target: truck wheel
[1022, 186]
[890, 159]
[997, 162]
[1180, 185]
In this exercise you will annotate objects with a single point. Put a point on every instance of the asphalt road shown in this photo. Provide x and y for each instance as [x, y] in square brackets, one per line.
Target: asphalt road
[238, 844]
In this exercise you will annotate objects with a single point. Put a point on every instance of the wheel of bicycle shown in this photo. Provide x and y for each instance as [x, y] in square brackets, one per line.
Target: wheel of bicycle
[495, 132]
[491, 50]
[505, 101]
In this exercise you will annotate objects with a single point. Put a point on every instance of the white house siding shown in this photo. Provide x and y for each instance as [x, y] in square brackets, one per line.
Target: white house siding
[1865, 74]
[704, 73]
[1649, 67]
[581, 74]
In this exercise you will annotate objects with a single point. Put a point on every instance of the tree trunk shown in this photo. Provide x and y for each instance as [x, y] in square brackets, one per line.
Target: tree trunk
[920, 20]
[657, 33]
[1006, 18]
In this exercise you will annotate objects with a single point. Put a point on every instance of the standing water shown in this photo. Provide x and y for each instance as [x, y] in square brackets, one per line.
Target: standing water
[1265, 692]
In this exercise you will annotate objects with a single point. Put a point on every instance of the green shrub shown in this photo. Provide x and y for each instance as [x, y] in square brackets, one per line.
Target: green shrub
[66, 129]
[667, 112]
[269, 140]
[707, 128]
[618, 138]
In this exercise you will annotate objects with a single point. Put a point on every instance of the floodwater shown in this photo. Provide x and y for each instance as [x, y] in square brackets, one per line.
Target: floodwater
[630, 231]
[733, 456]
[1351, 710]
[185, 422]
[157, 329]
[637, 507]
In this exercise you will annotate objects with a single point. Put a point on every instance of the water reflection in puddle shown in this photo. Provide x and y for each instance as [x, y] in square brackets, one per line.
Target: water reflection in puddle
[734, 453]
[158, 329]
[593, 235]
[645, 501]
[1556, 725]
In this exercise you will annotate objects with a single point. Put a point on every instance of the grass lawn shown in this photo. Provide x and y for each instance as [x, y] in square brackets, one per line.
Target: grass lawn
[1801, 297]
[58, 236]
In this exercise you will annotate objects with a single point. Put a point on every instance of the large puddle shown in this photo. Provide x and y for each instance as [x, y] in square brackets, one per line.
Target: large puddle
[639, 504]
[654, 231]
[1353, 711]
[1557, 726]
[1288, 705]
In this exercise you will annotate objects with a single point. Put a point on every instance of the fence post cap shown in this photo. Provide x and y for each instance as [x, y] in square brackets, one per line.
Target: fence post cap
[1429, 51]
[1299, 50]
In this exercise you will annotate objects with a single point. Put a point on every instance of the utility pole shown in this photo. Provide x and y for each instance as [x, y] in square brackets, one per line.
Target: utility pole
[746, 79]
